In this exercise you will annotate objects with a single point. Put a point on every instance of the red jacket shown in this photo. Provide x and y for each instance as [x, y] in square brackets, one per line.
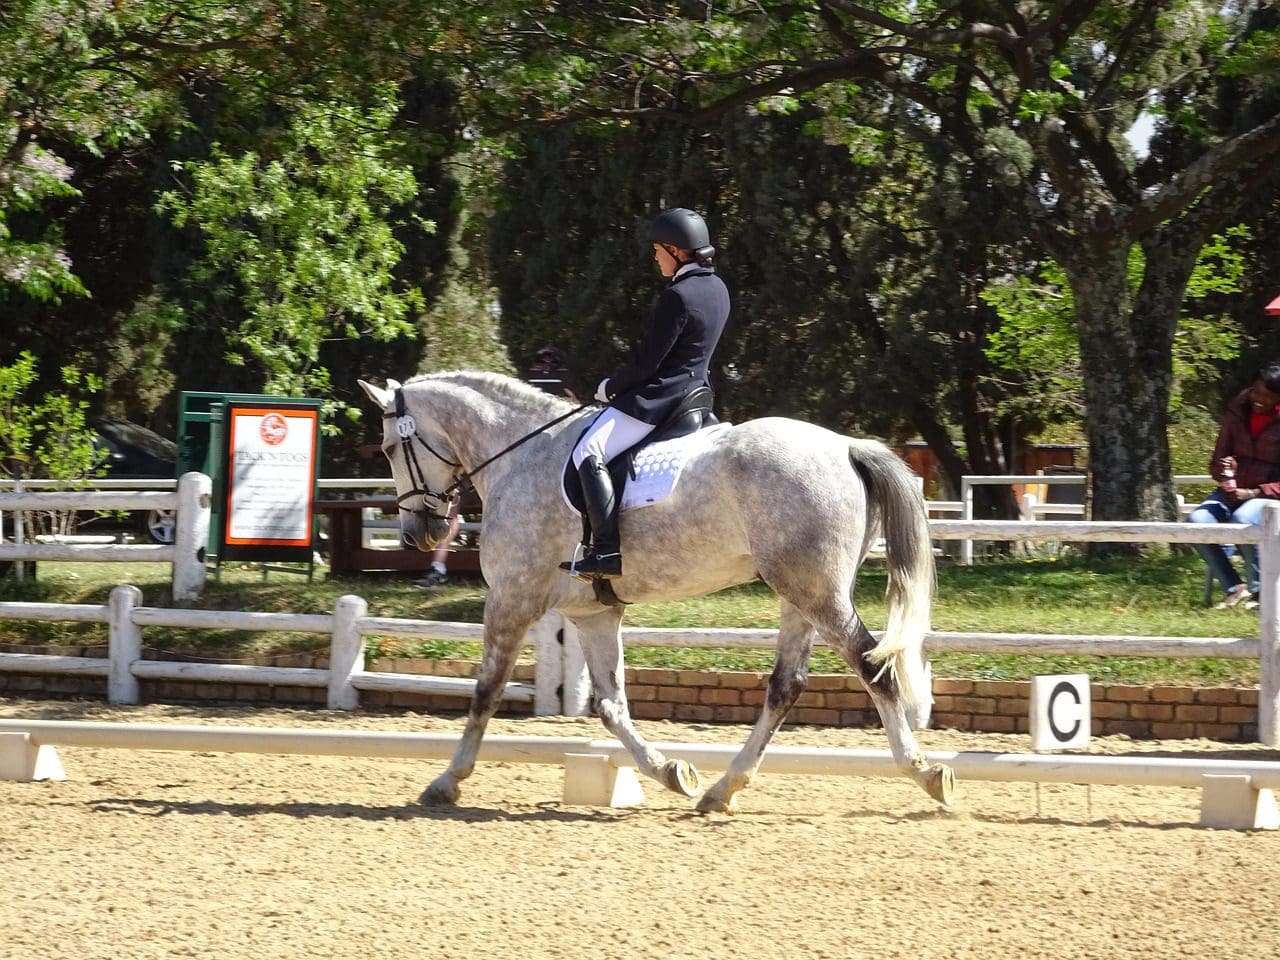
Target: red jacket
[1257, 458]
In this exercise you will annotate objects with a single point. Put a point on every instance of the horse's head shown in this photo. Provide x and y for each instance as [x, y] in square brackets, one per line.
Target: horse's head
[422, 464]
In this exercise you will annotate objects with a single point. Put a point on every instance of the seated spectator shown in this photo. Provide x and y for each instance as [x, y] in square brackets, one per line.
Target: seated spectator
[549, 372]
[1246, 464]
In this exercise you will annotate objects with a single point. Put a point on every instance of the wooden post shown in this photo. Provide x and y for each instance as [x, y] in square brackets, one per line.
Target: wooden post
[19, 536]
[346, 652]
[966, 513]
[577, 679]
[1269, 626]
[547, 638]
[191, 535]
[124, 644]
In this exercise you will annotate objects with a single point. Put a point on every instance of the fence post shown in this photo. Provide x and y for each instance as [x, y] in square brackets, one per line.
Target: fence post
[966, 513]
[346, 652]
[19, 536]
[1269, 626]
[191, 535]
[124, 644]
[547, 636]
[577, 679]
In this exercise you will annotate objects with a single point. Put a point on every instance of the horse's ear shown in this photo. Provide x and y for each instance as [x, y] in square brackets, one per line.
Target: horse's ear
[383, 398]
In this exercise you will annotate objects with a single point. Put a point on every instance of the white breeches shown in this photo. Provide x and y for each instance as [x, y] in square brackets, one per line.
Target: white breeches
[612, 433]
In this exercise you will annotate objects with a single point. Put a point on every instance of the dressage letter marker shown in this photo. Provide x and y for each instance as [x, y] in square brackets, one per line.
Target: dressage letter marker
[1060, 712]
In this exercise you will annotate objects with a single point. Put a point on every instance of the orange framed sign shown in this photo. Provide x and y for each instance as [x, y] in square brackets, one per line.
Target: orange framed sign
[272, 454]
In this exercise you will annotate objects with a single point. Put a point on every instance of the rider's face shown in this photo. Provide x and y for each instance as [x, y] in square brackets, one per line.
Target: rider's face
[665, 259]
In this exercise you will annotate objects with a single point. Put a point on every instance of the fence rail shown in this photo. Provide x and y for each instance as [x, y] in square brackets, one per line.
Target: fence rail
[192, 499]
[1034, 509]
[560, 680]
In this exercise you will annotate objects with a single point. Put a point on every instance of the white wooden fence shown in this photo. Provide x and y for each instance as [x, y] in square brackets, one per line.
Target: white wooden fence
[191, 500]
[1033, 509]
[347, 627]
[561, 685]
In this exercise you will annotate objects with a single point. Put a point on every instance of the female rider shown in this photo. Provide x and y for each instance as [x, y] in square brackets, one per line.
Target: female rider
[684, 327]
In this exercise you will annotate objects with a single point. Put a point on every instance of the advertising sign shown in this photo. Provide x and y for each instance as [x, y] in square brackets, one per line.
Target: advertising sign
[271, 469]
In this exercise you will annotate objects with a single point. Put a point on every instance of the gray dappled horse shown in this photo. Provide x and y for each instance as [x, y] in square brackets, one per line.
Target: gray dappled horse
[792, 504]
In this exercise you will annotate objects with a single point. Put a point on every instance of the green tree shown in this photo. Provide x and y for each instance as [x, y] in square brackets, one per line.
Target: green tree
[1036, 340]
[43, 434]
[854, 285]
[108, 98]
[299, 241]
[1035, 97]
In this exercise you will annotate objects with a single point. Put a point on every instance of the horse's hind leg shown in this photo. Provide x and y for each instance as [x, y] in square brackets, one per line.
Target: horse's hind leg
[505, 626]
[602, 649]
[786, 683]
[848, 635]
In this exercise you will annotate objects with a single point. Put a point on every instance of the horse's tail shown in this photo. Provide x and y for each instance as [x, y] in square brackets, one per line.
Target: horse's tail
[893, 495]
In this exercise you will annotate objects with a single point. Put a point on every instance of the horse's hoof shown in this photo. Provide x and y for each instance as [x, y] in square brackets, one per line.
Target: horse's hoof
[680, 776]
[940, 783]
[712, 802]
[442, 792]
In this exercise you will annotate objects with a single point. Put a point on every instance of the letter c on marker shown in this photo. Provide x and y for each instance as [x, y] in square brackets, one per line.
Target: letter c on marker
[1067, 688]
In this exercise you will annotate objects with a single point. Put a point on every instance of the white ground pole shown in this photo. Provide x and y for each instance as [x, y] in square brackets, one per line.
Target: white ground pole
[1236, 794]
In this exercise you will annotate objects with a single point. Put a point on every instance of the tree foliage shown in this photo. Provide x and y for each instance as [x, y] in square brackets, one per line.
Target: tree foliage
[1036, 341]
[875, 174]
[1035, 97]
[44, 434]
[299, 239]
[104, 99]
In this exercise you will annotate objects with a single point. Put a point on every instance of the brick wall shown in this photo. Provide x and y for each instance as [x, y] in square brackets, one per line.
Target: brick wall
[1215, 713]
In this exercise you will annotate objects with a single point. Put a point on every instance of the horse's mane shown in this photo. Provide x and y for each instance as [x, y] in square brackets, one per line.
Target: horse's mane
[506, 390]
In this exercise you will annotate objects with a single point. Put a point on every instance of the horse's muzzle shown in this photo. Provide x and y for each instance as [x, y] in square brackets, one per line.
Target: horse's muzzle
[424, 536]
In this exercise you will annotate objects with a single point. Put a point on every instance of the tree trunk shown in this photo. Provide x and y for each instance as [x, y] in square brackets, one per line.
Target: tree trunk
[1127, 371]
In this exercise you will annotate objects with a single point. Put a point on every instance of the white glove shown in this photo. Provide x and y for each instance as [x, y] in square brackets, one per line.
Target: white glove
[601, 394]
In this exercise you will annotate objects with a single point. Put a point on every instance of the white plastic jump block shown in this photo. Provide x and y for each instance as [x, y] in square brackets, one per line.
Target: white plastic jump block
[20, 759]
[1232, 802]
[591, 780]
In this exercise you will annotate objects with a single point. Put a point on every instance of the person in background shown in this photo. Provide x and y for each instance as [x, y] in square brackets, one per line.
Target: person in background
[549, 372]
[438, 573]
[1246, 464]
[671, 361]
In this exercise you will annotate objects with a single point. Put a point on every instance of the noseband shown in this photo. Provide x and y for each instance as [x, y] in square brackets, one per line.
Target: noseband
[407, 431]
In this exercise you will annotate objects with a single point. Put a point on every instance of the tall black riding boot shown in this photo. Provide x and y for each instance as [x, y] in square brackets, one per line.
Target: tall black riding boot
[605, 556]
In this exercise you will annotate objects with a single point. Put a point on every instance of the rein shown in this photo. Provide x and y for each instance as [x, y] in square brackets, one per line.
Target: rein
[407, 430]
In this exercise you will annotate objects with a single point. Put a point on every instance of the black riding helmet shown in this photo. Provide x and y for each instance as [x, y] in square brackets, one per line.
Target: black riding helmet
[682, 228]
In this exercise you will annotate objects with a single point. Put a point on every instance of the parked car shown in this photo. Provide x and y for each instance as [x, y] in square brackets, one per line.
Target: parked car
[135, 453]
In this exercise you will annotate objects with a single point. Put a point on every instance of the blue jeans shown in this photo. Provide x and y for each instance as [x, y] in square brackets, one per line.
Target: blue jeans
[1216, 509]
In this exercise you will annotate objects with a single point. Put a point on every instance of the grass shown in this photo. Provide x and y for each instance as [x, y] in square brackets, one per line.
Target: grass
[1154, 596]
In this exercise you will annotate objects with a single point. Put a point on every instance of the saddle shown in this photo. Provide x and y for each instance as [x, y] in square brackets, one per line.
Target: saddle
[691, 415]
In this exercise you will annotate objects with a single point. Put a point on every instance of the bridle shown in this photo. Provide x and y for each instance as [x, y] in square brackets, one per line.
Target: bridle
[407, 431]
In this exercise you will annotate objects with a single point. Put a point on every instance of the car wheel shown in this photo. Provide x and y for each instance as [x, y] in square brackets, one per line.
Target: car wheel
[159, 525]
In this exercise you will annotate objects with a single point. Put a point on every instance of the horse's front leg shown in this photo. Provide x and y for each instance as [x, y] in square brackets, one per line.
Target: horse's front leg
[602, 649]
[505, 626]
